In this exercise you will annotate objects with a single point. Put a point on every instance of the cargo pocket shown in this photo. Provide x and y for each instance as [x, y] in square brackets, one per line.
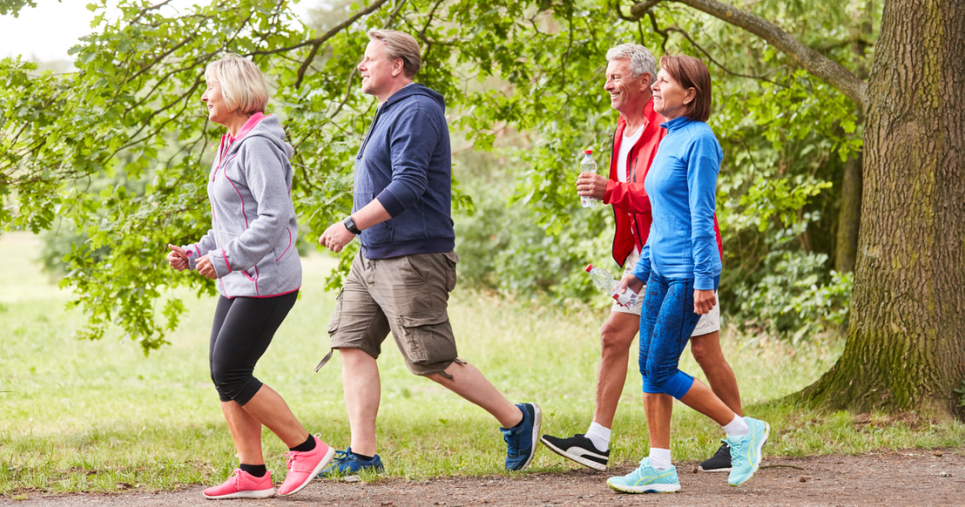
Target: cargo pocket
[428, 337]
[332, 329]
[333, 324]
[451, 260]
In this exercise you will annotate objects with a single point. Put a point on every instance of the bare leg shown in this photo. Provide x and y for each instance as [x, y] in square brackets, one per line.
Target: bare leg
[363, 390]
[703, 400]
[615, 339]
[268, 408]
[467, 381]
[707, 353]
[659, 408]
[245, 431]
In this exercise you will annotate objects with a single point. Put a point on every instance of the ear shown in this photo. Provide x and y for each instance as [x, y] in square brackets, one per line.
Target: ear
[690, 95]
[397, 65]
[646, 81]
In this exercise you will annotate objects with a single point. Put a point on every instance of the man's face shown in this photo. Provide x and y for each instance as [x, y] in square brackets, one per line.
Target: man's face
[376, 69]
[625, 89]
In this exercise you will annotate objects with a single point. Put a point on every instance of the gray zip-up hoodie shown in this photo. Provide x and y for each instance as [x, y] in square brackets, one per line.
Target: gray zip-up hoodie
[251, 243]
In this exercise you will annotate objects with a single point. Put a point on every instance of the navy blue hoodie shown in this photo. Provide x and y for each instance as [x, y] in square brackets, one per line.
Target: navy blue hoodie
[405, 162]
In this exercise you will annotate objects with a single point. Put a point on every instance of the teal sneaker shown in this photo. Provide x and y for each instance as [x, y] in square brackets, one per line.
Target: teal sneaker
[646, 479]
[745, 452]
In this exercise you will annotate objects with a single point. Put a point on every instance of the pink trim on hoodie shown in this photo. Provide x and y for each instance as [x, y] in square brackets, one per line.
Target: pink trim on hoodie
[224, 256]
[224, 147]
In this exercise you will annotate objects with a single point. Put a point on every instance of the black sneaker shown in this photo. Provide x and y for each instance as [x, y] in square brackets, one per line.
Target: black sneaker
[581, 450]
[719, 462]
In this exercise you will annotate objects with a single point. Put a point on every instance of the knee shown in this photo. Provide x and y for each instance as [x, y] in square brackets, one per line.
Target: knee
[613, 342]
[675, 383]
[230, 381]
[706, 351]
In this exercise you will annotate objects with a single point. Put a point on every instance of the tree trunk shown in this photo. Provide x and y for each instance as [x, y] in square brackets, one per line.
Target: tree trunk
[906, 340]
[849, 217]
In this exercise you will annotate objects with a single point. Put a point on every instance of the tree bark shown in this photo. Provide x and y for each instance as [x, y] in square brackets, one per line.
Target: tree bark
[849, 216]
[906, 340]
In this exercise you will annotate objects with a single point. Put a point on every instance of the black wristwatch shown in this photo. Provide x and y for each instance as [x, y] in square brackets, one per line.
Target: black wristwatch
[350, 225]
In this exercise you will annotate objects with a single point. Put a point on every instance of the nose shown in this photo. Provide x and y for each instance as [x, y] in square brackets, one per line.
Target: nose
[608, 85]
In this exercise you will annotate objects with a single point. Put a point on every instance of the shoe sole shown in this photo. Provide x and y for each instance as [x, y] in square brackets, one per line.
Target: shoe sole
[537, 421]
[767, 433]
[574, 457]
[318, 468]
[263, 493]
[714, 470]
[652, 488]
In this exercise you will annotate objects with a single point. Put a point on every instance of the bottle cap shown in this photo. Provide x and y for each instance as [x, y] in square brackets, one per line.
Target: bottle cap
[589, 268]
[587, 152]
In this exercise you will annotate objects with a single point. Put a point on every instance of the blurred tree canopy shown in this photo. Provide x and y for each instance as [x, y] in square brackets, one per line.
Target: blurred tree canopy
[523, 82]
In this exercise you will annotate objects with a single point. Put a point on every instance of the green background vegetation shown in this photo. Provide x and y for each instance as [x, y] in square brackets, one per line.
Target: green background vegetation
[84, 416]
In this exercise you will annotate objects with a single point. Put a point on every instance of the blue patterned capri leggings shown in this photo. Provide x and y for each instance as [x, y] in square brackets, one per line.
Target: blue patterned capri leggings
[666, 323]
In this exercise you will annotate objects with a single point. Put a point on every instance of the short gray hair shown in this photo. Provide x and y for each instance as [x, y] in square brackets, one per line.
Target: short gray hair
[641, 60]
[400, 45]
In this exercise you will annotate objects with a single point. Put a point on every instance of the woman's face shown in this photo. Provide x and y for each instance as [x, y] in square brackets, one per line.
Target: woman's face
[669, 97]
[217, 109]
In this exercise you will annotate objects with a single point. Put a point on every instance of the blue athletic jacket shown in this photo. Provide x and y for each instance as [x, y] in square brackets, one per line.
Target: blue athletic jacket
[405, 163]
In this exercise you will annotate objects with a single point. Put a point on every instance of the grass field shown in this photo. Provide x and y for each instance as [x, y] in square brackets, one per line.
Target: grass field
[85, 416]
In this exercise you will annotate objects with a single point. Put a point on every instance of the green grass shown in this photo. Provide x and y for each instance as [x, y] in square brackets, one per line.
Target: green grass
[85, 416]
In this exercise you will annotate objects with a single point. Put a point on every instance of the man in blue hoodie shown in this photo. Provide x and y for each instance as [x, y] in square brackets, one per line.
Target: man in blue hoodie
[401, 279]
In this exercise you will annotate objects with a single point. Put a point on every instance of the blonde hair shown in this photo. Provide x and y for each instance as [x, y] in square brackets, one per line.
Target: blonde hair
[242, 84]
[400, 45]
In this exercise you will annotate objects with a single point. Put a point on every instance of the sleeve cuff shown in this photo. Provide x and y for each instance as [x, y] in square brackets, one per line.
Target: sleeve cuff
[391, 204]
[608, 194]
[219, 260]
[193, 255]
[704, 283]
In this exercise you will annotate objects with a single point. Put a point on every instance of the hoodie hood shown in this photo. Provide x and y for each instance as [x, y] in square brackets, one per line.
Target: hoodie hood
[261, 125]
[411, 90]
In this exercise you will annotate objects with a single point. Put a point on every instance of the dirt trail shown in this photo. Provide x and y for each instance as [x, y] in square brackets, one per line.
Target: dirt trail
[907, 478]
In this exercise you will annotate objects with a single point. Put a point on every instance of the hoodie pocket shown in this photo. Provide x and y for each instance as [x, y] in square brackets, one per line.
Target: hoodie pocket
[379, 234]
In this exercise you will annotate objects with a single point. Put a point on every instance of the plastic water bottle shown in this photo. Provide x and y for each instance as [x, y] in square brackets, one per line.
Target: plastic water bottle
[587, 165]
[605, 281]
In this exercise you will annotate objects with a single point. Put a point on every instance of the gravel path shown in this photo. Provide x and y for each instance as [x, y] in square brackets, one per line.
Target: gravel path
[906, 478]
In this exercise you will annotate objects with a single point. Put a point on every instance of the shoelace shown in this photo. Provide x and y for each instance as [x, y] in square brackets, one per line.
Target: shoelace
[291, 457]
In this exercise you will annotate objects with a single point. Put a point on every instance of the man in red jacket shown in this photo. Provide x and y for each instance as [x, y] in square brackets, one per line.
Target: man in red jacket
[629, 73]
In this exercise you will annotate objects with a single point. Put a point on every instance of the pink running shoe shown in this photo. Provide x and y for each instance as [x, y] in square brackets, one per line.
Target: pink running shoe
[304, 466]
[241, 484]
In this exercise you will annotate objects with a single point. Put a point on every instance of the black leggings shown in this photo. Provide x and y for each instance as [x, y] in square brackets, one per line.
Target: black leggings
[243, 328]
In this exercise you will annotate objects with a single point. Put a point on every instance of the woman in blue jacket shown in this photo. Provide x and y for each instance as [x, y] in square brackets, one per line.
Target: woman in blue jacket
[681, 267]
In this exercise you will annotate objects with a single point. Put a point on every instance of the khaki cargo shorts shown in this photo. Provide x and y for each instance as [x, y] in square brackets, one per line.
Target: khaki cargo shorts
[406, 295]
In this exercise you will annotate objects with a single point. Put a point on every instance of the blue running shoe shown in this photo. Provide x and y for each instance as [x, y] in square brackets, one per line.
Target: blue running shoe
[745, 452]
[646, 479]
[348, 463]
[521, 440]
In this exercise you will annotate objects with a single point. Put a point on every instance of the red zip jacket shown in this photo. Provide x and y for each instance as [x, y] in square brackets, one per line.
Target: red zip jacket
[631, 205]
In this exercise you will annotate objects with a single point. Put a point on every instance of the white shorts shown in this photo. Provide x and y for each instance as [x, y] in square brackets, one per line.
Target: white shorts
[708, 323]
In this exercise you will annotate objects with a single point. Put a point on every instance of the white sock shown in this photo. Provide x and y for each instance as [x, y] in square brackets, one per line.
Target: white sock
[660, 458]
[737, 428]
[600, 436]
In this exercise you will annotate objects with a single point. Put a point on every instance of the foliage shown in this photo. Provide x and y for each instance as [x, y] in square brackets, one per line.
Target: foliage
[534, 67]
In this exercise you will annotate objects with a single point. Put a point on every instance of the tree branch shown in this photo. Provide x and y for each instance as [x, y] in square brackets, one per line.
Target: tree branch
[327, 35]
[817, 64]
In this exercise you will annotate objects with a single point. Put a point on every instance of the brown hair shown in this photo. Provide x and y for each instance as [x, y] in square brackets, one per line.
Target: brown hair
[691, 73]
[400, 45]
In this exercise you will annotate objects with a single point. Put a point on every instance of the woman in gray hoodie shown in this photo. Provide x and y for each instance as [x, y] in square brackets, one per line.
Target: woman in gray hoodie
[250, 251]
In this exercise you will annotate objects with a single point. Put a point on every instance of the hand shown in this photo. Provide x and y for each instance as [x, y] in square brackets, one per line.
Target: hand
[632, 282]
[704, 301]
[591, 185]
[177, 258]
[206, 268]
[336, 237]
